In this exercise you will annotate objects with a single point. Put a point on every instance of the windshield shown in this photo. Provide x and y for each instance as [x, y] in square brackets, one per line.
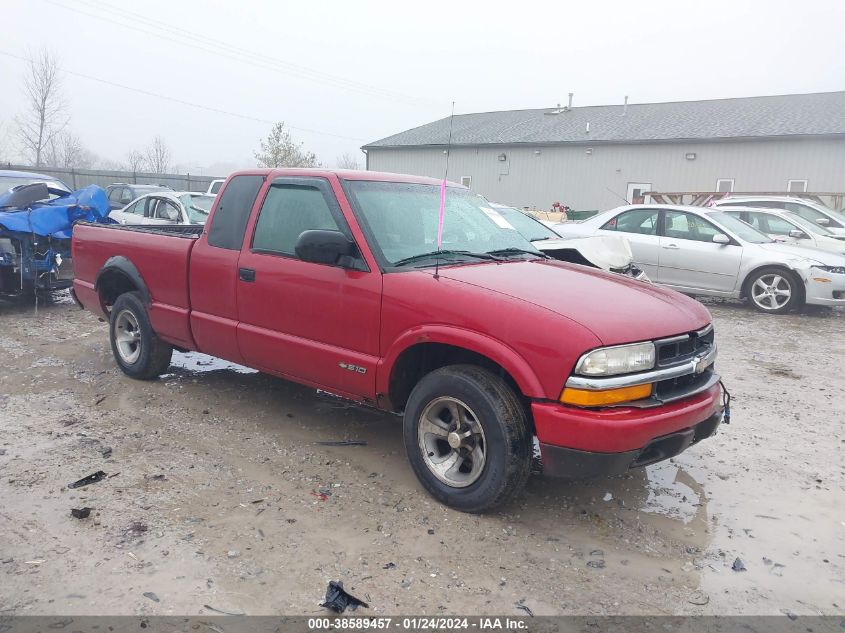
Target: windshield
[739, 228]
[530, 228]
[198, 207]
[403, 219]
[809, 226]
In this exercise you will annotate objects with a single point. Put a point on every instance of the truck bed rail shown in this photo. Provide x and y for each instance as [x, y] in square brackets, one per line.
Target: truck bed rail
[190, 231]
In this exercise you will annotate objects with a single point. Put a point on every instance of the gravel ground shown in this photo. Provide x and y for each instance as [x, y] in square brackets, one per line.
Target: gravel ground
[218, 495]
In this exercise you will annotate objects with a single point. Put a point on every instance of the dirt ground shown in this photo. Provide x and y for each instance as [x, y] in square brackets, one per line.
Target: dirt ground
[218, 496]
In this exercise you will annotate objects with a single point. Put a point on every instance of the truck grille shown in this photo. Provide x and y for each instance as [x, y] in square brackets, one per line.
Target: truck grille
[681, 349]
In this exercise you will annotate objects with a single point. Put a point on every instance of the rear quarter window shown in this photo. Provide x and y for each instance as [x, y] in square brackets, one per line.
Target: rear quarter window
[229, 222]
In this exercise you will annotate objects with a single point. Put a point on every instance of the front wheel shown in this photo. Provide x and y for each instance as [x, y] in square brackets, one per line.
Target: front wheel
[775, 290]
[136, 348]
[467, 438]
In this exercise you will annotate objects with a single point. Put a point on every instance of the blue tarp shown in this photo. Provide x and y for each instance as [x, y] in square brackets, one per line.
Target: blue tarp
[56, 217]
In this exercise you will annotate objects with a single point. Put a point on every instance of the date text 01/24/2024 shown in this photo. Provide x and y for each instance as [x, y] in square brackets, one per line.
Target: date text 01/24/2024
[416, 623]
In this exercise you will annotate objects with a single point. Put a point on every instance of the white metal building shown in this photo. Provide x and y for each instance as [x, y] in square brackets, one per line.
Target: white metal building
[598, 157]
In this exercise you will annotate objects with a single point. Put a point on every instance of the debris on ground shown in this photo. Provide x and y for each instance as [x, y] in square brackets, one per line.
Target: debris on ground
[151, 596]
[80, 513]
[343, 443]
[106, 452]
[159, 477]
[223, 611]
[699, 597]
[596, 564]
[337, 599]
[389, 566]
[233, 553]
[792, 616]
[607, 497]
[520, 604]
[322, 495]
[738, 565]
[90, 479]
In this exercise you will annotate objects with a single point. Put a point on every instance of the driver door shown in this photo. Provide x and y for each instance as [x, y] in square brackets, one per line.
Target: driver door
[691, 260]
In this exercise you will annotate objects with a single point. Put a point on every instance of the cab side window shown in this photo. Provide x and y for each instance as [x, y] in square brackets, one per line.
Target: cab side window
[641, 221]
[687, 226]
[229, 223]
[288, 211]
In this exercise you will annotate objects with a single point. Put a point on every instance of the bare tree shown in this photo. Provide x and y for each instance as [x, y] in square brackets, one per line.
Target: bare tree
[45, 115]
[66, 150]
[158, 156]
[136, 161]
[279, 150]
[348, 161]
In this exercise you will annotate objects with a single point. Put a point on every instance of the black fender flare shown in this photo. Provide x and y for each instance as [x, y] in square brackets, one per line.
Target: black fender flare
[124, 266]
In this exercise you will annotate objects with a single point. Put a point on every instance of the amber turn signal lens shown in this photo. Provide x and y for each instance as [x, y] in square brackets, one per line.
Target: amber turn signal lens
[585, 398]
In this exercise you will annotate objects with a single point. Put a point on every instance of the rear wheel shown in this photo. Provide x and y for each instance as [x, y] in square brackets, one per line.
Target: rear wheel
[467, 438]
[775, 290]
[136, 348]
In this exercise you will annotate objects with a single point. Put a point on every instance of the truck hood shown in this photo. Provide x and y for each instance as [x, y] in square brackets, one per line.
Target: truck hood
[615, 308]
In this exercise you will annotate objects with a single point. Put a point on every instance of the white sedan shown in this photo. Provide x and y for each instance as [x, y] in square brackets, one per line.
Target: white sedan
[705, 251]
[788, 227]
[807, 209]
[166, 207]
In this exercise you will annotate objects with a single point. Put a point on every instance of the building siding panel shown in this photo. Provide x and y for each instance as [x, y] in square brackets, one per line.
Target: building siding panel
[599, 179]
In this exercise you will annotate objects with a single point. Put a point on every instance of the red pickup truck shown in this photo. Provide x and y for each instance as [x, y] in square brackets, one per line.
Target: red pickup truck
[333, 279]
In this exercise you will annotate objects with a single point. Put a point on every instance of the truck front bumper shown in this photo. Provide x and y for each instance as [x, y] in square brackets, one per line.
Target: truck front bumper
[580, 443]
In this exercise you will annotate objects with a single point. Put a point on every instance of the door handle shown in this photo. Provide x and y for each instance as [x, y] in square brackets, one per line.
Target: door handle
[246, 274]
[673, 247]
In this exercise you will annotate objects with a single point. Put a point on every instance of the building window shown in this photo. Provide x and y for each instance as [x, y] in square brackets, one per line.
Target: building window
[725, 185]
[466, 181]
[797, 185]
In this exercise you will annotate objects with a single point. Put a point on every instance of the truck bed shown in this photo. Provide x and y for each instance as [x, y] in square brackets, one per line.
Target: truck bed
[161, 256]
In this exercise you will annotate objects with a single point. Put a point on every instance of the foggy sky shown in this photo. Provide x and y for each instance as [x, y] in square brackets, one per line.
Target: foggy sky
[365, 70]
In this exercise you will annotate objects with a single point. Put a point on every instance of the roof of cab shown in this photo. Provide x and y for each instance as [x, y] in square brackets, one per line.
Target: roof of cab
[345, 174]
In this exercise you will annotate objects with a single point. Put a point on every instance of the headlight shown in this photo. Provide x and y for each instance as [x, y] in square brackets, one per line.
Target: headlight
[838, 270]
[623, 359]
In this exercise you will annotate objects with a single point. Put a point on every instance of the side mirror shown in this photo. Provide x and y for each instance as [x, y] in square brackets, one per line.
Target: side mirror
[823, 221]
[721, 238]
[325, 247]
[797, 234]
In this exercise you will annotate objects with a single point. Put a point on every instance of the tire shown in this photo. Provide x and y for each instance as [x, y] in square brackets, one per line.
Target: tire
[786, 286]
[138, 351]
[491, 464]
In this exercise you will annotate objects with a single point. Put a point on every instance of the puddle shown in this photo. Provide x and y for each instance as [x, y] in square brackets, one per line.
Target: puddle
[197, 363]
[668, 495]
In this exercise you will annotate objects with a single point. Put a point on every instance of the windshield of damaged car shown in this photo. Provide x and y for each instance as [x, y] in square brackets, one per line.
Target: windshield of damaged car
[739, 228]
[531, 229]
[403, 220]
[198, 207]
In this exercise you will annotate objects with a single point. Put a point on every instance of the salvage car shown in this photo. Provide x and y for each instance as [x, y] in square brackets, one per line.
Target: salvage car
[166, 207]
[120, 193]
[807, 209]
[36, 216]
[608, 252]
[785, 226]
[706, 251]
[338, 280]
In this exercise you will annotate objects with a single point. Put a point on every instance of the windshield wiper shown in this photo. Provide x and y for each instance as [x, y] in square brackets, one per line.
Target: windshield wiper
[517, 251]
[434, 254]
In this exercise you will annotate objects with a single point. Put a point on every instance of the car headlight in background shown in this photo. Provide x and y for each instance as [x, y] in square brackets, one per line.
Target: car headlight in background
[837, 270]
[611, 361]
